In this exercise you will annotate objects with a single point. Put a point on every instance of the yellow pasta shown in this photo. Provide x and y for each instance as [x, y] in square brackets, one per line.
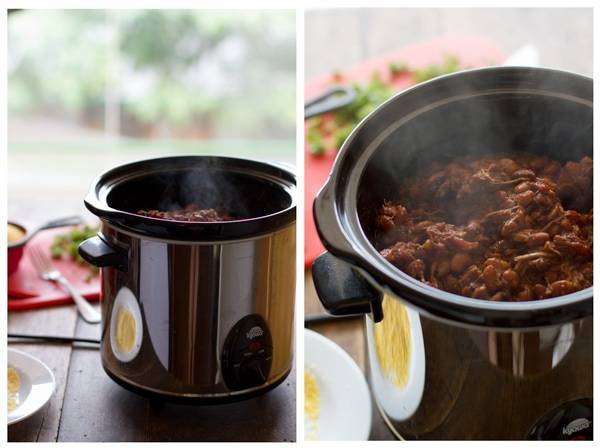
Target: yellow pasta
[126, 329]
[393, 342]
[14, 384]
[311, 404]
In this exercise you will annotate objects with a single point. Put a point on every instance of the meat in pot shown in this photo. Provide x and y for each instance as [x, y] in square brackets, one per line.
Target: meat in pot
[510, 228]
[190, 213]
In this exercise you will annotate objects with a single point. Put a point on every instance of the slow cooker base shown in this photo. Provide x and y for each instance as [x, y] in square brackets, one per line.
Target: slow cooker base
[195, 400]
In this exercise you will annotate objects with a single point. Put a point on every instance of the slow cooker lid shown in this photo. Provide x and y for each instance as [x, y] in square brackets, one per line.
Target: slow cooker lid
[260, 196]
[337, 206]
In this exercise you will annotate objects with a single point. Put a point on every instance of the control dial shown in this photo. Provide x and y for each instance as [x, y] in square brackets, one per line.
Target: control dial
[247, 353]
[570, 421]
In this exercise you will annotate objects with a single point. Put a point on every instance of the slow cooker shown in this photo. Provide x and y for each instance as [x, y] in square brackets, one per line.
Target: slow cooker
[477, 369]
[196, 311]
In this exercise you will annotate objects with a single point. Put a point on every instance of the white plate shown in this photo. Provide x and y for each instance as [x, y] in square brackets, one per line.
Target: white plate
[37, 384]
[345, 402]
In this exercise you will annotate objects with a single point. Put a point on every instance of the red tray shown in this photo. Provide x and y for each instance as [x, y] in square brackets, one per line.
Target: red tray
[26, 290]
[471, 51]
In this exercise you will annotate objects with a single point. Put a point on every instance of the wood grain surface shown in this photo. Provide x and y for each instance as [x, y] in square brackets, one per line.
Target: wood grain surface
[87, 406]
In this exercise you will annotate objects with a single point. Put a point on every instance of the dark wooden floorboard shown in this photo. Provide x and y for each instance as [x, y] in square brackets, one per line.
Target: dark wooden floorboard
[270, 417]
[97, 409]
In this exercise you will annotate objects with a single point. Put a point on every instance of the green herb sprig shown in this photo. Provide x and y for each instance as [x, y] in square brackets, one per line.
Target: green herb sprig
[66, 244]
[331, 130]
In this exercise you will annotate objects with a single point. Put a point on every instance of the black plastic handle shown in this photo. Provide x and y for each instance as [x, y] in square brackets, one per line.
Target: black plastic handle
[97, 251]
[334, 98]
[342, 290]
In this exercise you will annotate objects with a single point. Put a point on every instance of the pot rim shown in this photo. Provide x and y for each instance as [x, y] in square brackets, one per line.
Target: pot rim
[336, 204]
[278, 174]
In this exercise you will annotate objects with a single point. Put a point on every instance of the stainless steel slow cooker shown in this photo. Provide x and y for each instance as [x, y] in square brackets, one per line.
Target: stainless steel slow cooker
[477, 369]
[196, 311]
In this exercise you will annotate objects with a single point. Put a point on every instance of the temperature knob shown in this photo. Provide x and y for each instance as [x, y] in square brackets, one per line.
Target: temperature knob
[253, 371]
[247, 353]
[570, 421]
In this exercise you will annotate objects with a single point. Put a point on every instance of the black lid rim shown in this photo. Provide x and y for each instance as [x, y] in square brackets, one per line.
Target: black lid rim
[195, 231]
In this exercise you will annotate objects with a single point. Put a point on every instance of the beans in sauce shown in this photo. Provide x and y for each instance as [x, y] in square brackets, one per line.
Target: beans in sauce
[190, 213]
[511, 228]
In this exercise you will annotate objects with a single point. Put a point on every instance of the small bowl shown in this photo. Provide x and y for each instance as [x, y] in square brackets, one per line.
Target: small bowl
[16, 248]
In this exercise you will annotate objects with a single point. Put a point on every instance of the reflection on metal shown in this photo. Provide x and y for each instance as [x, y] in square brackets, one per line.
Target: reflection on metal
[154, 287]
[400, 403]
[484, 384]
[525, 353]
[393, 342]
[190, 296]
[126, 326]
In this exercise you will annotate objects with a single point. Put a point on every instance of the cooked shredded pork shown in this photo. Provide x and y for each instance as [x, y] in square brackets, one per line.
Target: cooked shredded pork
[189, 213]
[508, 228]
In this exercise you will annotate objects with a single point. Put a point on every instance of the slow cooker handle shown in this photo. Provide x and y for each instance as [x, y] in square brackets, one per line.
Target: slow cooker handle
[342, 290]
[97, 251]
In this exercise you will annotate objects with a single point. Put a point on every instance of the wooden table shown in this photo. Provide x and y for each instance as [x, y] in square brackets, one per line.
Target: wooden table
[348, 334]
[88, 406]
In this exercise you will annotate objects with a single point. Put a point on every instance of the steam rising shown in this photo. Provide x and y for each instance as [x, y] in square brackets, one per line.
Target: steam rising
[521, 110]
[168, 186]
[205, 187]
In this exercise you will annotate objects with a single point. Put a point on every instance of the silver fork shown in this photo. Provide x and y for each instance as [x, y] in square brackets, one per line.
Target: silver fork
[48, 272]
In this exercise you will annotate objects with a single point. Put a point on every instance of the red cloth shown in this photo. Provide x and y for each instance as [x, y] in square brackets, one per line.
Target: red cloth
[27, 290]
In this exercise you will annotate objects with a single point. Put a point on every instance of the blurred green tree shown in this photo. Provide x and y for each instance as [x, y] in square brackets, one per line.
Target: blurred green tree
[157, 72]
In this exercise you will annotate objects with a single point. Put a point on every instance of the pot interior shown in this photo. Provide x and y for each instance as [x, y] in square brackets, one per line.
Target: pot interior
[240, 194]
[556, 126]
